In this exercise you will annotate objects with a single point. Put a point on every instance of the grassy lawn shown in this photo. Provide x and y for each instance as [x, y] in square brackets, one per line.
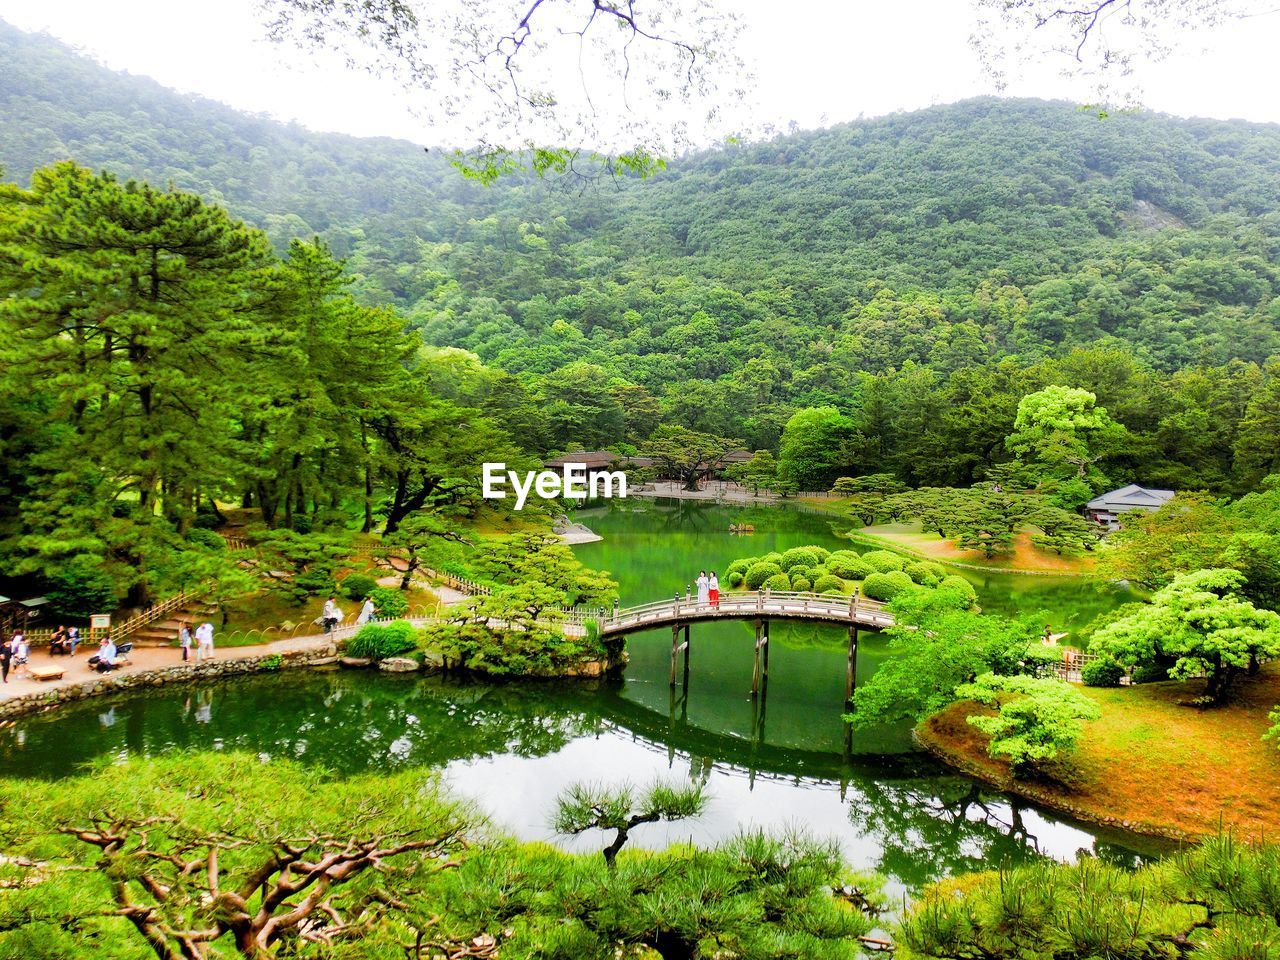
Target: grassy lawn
[1026, 556]
[1152, 762]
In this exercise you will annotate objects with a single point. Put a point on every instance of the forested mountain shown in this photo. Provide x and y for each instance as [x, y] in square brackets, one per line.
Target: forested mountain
[919, 272]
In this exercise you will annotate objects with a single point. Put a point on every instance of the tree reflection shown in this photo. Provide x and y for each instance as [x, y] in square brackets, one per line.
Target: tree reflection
[344, 721]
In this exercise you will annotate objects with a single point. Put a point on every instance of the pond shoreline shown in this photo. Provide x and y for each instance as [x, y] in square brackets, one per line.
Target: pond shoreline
[937, 746]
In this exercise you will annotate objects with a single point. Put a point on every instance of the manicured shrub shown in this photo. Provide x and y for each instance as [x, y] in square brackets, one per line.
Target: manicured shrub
[734, 580]
[779, 581]
[828, 584]
[313, 583]
[389, 602]
[848, 565]
[960, 585]
[926, 573]
[357, 586]
[206, 538]
[1101, 673]
[773, 557]
[886, 586]
[801, 584]
[377, 641]
[799, 557]
[822, 552]
[759, 572]
[738, 566]
[806, 572]
[883, 561]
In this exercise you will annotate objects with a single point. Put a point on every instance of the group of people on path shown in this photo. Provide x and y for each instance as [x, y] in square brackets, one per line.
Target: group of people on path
[708, 588]
[333, 615]
[203, 637]
[14, 653]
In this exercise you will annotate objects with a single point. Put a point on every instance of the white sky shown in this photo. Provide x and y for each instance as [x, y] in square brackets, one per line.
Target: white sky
[817, 62]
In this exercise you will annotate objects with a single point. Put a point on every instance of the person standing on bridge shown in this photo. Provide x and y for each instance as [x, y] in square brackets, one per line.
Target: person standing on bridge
[704, 587]
[713, 589]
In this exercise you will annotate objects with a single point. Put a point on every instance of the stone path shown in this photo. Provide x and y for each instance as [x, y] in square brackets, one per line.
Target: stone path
[76, 670]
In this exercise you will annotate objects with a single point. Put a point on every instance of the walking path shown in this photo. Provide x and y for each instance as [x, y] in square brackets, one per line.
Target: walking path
[76, 670]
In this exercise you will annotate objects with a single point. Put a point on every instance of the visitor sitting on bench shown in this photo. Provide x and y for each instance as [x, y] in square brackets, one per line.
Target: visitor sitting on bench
[59, 643]
[105, 659]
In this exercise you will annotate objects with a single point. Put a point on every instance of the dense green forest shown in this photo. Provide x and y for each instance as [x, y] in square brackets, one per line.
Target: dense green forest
[919, 273]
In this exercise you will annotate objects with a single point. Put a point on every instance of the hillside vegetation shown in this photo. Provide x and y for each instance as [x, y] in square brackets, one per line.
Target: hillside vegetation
[919, 272]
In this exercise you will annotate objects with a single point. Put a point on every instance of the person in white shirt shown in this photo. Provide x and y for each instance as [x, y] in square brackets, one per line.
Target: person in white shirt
[204, 641]
[21, 652]
[713, 589]
[332, 616]
[704, 587]
[366, 612]
[105, 659]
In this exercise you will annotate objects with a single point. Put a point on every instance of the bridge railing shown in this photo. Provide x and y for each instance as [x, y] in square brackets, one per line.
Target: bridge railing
[763, 602]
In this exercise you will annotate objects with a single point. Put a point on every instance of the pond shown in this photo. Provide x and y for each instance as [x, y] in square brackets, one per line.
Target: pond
[778, 761]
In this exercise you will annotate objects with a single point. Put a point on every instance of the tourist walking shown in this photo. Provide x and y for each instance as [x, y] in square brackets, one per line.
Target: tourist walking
[331, 617]
[184, 641]
[6, 657]
[713, 589]
[204, 641]
[21, 652]
[366, 612]
[704, 587]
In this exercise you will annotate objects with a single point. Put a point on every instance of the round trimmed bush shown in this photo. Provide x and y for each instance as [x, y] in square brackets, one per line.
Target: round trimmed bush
[1101, 673]
[357, 586]
[738, 566]
[779, 581]
[822, 553]
[960, 585]
[806, 572]
[799, 557]
[926, 573]
[773, 557]
[734, 580]
[828, 584]
[759, 572]
[883, 561]
[803, 584]
[848, 565]
[886, 586]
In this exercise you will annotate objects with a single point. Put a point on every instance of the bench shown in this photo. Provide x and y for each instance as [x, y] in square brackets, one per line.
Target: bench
[44, 673]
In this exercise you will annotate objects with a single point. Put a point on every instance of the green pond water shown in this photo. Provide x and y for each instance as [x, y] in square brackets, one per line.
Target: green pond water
[778, 761]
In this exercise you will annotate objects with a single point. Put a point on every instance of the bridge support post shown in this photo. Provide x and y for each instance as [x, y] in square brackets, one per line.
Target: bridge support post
[755, 662]
[851, 670]
[760, 664]
[764, 656]
[685, 679]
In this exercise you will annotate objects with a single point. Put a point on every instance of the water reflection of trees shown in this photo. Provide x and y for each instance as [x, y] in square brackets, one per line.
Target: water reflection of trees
[940, 826]
[340, 720]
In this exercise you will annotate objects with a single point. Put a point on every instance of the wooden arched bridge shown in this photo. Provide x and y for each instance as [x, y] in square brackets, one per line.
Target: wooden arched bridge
[760, 606]
[682, 611]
